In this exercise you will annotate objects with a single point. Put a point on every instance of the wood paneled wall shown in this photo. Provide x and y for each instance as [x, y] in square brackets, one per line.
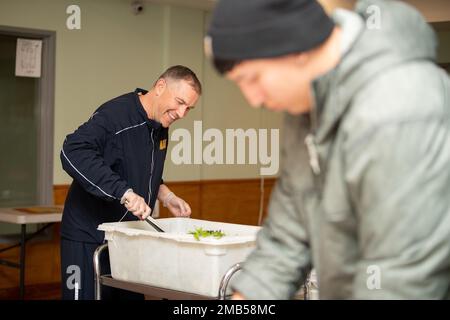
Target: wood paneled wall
[60, 193]
[234, 201]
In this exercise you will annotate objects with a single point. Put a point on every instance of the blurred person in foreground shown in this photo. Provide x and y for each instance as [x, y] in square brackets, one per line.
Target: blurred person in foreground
[363, 196]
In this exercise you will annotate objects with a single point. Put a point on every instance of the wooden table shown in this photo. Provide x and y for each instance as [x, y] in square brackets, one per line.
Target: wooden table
[23, 216]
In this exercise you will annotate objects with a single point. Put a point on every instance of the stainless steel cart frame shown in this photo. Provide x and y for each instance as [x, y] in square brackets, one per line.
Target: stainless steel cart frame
[152, 291]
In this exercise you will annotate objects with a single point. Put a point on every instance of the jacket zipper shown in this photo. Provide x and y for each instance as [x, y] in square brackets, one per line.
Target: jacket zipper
[312, 152]
[151, 170]
[310, 141]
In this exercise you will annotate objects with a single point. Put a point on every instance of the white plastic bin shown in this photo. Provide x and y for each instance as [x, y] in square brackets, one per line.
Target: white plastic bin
[175, 259]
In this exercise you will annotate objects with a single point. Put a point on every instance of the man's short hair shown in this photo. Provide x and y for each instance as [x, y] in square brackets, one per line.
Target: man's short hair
[179, 72]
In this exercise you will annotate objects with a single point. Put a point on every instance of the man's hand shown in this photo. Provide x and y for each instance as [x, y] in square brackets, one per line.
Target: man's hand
[177, 206]
[136, 205]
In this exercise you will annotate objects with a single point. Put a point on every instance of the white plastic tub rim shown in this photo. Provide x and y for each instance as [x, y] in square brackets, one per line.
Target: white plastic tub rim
[176, 229]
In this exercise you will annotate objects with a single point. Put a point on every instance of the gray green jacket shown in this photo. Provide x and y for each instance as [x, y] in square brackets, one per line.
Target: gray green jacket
[366, 200]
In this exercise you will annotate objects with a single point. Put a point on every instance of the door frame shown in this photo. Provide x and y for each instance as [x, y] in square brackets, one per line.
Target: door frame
[46, 106]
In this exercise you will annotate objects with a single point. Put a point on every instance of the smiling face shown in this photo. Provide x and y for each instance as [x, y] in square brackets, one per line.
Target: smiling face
[173, 100]
[279, 84]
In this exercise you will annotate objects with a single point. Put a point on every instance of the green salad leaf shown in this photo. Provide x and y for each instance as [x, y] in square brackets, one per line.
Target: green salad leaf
[199, 232]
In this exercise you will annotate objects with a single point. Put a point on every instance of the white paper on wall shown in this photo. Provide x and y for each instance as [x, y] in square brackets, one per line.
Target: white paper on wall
[28, 58]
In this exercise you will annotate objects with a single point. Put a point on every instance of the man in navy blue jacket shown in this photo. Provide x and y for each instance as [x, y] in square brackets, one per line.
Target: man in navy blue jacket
[116, 160]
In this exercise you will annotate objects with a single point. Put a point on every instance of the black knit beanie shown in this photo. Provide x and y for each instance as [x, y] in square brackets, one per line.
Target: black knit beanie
[249, 29]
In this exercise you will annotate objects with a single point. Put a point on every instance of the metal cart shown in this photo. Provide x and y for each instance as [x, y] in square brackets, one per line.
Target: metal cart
[157, 292]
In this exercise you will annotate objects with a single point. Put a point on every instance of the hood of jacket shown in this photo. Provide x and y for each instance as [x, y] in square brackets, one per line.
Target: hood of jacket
[367, 51]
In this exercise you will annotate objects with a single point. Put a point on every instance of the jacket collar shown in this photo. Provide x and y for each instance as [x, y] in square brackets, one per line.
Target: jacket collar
[323, 121]
[151, 123]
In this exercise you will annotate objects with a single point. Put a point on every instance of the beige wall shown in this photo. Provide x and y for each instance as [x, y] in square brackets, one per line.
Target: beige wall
[444, 46]
[102, 60]
[116, 51]
[433, 10]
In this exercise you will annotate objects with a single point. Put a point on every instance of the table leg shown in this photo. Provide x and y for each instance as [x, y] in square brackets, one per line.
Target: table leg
[22, 261]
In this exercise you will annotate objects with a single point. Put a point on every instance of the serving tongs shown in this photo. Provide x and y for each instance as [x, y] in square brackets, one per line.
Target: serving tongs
[152, 221]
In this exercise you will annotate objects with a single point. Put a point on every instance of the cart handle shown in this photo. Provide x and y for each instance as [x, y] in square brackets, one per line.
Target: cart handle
[226, 279]
[97, 270]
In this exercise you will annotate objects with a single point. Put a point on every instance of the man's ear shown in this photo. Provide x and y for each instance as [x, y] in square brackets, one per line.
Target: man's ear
[160, 86]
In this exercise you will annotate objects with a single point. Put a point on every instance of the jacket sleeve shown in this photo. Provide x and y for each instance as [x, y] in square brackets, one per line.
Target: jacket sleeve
[399, 179]
[82, 157]
[281, 260]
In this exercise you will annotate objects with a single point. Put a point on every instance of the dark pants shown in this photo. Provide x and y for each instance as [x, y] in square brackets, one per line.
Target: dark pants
[77, 267]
